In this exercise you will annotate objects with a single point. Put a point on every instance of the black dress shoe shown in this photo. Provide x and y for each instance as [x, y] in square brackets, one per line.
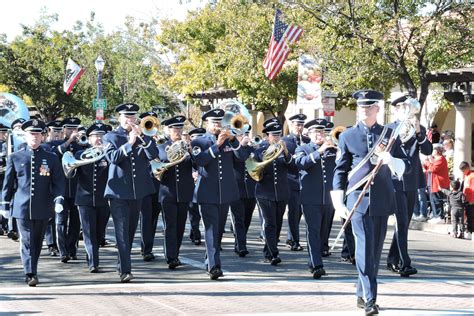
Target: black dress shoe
[31, 280]
[393, 268]
[126, 277]
[12, 235]
[173, 264]
[53, 251]
[360, 302]
[215, 273]
[407, 271]
[318, 272]
[149, 257]
[275, 261]
[242, 253]
[326, 253]
[371, 308]
[94, 270]
[73, 257]
[296, 246]
[348, 260]
[289, 243]
[2, 232]
[197, 242]
[65, 259]
[261, 239]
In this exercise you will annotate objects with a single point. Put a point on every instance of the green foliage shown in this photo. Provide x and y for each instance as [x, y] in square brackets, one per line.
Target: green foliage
[33, 66]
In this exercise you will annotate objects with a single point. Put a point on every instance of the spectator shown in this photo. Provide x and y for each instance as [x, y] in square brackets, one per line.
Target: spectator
[420, 212]
[437, 165]
[448, 145]
[468, 190]
[433, 134]
[456, 202]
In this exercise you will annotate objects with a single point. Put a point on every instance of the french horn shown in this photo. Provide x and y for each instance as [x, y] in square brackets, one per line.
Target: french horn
[177, 152]
[255, 168]
[88, 156]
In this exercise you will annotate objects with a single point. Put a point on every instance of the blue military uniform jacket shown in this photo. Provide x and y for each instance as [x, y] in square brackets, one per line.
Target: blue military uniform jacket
[60, 148]
[177, 182]
[91, 182]
[216, 183]
[316, 173]
[245, 183]
[274, 184]
[3, 159]
[412, 148]
[129, 169]
[292, 141]
[34, 179]
[353, 147]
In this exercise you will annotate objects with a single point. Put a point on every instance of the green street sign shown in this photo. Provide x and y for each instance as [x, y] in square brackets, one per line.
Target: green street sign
[99, 104]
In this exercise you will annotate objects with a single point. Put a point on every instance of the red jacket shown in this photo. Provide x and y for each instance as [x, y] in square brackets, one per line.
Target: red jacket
[439, 173]
[469, 187]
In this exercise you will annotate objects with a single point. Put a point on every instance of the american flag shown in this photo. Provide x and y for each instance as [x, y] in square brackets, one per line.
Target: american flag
[283, 35]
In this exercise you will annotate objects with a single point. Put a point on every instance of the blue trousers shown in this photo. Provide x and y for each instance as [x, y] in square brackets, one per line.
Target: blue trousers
[272, 214]
[294, 216]
[326, 225]
[125, 217]
[68, 227]
[369, 233]
[214, 217]
[194, 220]
[313, 217]
[31, 241]
[398, 252]
[93, 221]
[50, 234]
[174, 219]
[238, 216]
[348, 245]
[149, 212]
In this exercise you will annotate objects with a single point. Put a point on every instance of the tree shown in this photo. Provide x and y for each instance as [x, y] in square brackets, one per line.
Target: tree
[402, 39]
[33, 67]
[224, 46]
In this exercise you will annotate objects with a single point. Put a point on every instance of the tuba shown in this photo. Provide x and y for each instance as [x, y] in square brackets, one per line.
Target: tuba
[236, 117]
[177, 152]
[90, 155]
[407, 127]
[255, 168]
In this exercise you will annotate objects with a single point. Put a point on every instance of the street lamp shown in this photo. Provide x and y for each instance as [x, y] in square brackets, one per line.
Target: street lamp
[99, 65]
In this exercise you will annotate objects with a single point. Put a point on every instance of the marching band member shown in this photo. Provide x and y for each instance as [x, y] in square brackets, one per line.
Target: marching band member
[55, 137]
[3, 164]
[68, 224]
[176, 192]
[272, 192]
[406, 192]
[242, 209]
[94, 209]
[293, 140]
[35, 181]
[193, 211]
[149, 212]
[369, 221]
[215, 187]
[316, 161]
[12, 225]
[328, 163]
[129, 181]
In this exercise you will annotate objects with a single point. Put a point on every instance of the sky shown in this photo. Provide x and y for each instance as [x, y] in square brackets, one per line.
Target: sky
[108, 12]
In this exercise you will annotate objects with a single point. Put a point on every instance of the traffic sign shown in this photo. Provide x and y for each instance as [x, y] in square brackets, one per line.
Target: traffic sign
[99, 104]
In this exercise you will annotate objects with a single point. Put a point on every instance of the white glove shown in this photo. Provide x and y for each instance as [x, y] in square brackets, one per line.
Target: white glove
[396, 165]
[58, 208]
[337, 197]
[5, 214]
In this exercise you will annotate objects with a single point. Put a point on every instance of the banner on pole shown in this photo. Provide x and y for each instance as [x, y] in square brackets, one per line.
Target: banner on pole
[329, 103]
[309, 83]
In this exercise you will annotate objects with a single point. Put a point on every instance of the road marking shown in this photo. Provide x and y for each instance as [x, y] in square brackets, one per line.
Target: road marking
[156, 302]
